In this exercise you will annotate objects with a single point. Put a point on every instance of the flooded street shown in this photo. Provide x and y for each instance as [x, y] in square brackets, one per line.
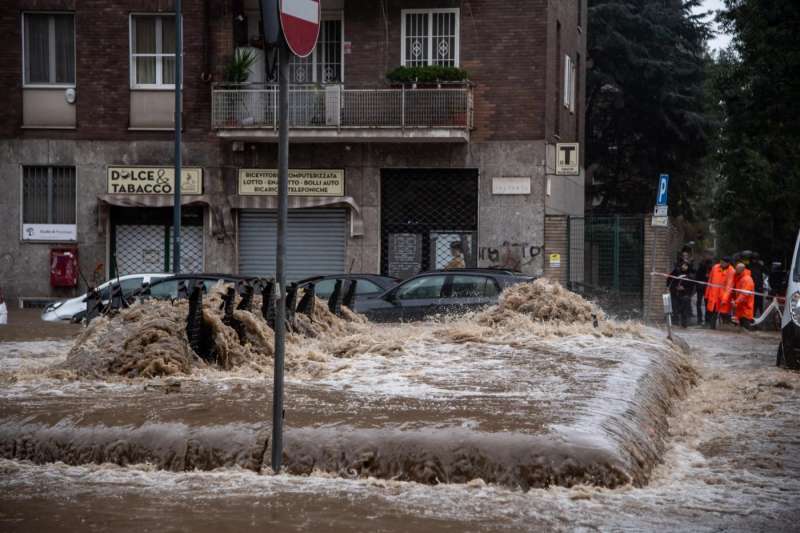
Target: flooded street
[445, 426]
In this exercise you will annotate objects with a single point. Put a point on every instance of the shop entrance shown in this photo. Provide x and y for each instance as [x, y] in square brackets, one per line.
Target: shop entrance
[141, 240]
[426, 214]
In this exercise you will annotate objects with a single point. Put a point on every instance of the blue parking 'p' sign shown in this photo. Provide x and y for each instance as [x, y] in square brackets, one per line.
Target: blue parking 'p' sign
[663, 182]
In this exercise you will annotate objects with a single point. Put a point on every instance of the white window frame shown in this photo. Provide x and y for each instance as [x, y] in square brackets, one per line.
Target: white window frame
[158, 85]
[429, 35]
[52, 43]
[569, 83]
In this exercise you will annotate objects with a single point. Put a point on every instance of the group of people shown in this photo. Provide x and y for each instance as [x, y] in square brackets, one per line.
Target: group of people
[725, 291]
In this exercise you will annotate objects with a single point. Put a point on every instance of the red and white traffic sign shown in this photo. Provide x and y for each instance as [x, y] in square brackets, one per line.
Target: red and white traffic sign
[300, 23]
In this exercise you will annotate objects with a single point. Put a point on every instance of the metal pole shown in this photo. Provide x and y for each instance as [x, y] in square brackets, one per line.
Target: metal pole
[176, 205]
[280, 256]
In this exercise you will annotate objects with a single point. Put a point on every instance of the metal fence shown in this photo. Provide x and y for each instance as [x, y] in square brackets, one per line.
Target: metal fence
[332, 106]
[606, 262]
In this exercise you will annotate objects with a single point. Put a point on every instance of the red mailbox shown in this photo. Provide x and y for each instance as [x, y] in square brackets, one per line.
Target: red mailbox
[64, 267]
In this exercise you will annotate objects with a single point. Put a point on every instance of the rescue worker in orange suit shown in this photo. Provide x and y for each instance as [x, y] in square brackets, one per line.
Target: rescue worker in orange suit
[718, 292]
[744, 301]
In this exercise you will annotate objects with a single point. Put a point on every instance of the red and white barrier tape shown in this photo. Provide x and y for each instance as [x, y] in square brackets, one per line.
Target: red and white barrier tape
[764, 294]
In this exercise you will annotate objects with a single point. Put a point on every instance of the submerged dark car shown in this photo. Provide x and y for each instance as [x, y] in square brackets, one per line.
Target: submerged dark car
[440, 292]
[367, 285]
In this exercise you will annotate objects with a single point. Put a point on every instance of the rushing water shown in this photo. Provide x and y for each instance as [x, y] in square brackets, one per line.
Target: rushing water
[186, 453]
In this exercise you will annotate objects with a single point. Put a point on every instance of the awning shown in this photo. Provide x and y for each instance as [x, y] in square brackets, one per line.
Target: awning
[222, 224]
[303, 202]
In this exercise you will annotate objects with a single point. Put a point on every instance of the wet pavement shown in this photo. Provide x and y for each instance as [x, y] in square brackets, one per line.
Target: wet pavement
[730, 458]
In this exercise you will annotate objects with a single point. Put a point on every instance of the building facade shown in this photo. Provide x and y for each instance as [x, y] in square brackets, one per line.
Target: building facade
[386, 176]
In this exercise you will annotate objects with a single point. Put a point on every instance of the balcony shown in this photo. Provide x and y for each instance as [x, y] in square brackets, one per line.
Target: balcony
[335, 114]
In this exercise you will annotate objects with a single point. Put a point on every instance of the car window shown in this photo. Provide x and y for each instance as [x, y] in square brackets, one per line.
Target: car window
[367, 287]
[797, 262]
[165, 289]
[491, 289]
[472, 287]
[421, 288]
[324, 288]
[130, 285]
[104, 289]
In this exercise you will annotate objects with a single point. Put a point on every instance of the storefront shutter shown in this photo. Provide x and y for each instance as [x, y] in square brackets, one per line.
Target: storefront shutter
[315, 242]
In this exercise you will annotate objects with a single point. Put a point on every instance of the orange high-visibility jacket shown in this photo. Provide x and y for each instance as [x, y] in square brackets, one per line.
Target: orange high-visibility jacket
[718, 294]
[744, 302]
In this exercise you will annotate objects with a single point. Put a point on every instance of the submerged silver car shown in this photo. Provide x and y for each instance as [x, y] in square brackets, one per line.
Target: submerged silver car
[75, 308]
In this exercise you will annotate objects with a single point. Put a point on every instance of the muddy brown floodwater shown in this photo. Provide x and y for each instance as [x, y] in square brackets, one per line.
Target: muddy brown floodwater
[461, 424]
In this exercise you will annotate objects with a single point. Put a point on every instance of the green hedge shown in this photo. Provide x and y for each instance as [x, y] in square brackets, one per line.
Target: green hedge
[427, 74]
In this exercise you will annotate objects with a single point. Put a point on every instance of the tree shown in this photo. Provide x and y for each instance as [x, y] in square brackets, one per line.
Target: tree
[758, 200]
[645, 103]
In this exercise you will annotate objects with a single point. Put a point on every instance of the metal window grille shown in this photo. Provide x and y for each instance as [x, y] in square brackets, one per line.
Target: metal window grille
[48, 195]
[430, 38]
[443, 39]
[424, 213]
[324, 64]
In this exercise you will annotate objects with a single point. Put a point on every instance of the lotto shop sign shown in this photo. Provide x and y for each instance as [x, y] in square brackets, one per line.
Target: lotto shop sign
[153, 180]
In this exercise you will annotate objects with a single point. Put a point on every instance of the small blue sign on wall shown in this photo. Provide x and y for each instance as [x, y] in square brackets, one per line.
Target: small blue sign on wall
[663, 183]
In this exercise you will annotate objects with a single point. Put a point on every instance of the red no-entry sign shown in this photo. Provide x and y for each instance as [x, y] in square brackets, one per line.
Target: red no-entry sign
[300, 23]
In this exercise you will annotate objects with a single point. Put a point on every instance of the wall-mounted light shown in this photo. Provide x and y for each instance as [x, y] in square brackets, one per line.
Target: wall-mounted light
[70, 95]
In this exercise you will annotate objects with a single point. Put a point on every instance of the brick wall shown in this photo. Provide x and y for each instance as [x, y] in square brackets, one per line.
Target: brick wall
[505, 47]
[573, 43]
[661, 247]
[102, 70]
[502, 48]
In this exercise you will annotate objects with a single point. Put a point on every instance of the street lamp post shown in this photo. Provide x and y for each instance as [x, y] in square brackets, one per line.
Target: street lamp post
[176, 202]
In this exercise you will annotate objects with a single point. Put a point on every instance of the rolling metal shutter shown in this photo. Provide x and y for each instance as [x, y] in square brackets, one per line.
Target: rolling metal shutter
[315, 242]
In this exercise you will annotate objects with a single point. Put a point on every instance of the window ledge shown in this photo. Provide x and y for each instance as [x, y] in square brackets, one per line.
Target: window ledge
[154, 128]
[24, 127]
[24, 241]
[50, 86]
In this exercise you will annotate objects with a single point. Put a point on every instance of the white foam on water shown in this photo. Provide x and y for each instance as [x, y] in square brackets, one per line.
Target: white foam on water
[29, 355]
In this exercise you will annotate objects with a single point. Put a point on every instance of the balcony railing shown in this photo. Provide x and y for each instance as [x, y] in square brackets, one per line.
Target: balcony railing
[255, 106]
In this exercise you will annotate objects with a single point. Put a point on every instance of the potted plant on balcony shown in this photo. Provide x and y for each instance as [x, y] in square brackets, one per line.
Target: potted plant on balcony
[427, 76]
[451, 113]
[237, 72]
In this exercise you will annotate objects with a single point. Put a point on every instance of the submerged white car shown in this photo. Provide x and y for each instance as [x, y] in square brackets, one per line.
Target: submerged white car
[74, 309]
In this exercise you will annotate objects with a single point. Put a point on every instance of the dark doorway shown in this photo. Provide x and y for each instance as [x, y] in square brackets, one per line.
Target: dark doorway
[425, 215]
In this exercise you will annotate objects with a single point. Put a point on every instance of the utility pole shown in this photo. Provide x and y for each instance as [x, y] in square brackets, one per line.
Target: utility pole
[280, 256]
[176, 201]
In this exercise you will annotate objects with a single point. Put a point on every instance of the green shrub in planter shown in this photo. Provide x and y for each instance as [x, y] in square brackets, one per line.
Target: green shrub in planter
[238, 68]
[426, 74]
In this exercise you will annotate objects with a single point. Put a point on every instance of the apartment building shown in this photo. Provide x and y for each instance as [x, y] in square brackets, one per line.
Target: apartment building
[387, 174]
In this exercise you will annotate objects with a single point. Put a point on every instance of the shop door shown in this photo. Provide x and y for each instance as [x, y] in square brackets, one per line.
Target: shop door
[315, 242]
[425, 215]
[142, 241]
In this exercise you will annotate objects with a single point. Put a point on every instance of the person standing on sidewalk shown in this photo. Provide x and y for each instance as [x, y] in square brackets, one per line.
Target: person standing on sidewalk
[701, 275]
[743, 296]
[680, 283]
[718, 292]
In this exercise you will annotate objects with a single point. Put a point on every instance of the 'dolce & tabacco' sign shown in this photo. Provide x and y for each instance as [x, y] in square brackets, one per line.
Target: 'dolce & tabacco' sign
[153, 180]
